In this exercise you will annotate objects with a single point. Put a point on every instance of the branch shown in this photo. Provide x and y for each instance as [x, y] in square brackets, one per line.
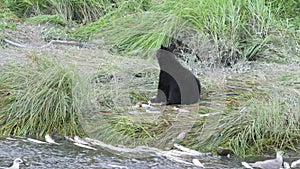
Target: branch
[15, 43]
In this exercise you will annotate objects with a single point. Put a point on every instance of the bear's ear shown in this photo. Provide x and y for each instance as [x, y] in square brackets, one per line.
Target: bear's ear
[170, 48]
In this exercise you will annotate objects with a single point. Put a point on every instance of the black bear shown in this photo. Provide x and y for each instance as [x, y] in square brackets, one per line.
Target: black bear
[177, 85]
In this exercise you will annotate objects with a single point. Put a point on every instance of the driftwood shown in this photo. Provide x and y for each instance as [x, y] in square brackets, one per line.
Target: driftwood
[63, 42]
[146, 152]
[52, 42]
[239, 88]
[141, 152]
[14, 43]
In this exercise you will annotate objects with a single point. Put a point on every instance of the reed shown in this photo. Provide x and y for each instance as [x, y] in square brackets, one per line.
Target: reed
[43, 97]
[265, 123]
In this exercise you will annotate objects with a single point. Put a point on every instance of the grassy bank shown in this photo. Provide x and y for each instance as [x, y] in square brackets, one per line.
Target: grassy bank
[249, 107]
[253, 122]
[250, 112]
[259, 114]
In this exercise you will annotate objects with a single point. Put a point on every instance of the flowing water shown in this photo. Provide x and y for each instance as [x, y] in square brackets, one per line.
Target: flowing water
[66, 155]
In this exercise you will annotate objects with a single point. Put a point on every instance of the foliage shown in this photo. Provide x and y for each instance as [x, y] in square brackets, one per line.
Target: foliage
[41, 19]
[41, 98]
[6, 17]
[269, 125]
[130, 128]
[286, 9]
[82, 11]
[138, 34]
[262, 123]
[87, 31]
[123, 8]
[239, 29]
[56, 32]
[5, 13]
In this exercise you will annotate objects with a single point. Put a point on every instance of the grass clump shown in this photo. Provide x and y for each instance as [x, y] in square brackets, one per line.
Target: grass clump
[69, 10]
[43, 97]
[266, 123]
[6, 18]
[41, 19]
[82, 11]
[238, 30]
[274, 125]
[261, 116]
[56, 32]
[287, 10]
[130, 128]
[120, 9]
[6, 14]
[138, 34]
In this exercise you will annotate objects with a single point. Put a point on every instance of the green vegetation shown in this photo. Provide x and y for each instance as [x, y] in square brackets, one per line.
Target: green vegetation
[261, 114]
[40, 98]
[239, 29]
[261, 125]
[41, 19]
[5, 17]
[80, 11]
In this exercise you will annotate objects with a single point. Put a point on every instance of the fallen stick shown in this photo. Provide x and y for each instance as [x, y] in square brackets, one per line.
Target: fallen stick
[84, 146]
[52, 42]
[145, 152]
[189, 151]
[239, 88]
[14, 43]
[210, 114]
[63, 42]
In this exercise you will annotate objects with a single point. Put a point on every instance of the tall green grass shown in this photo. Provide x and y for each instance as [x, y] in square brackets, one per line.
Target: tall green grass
[142, 33]
[43, 97]
[274, 125]
[266, 123]
[238, 29]
[287, 10]
[82, 11]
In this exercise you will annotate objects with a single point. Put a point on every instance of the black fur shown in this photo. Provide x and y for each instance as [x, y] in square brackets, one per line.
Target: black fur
[177, 85]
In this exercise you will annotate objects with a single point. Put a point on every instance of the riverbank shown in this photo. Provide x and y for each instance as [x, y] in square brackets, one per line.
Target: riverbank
[250, 107]
[251, 102]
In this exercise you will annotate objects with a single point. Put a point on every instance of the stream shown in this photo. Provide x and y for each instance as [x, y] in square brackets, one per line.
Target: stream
[66, 155]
